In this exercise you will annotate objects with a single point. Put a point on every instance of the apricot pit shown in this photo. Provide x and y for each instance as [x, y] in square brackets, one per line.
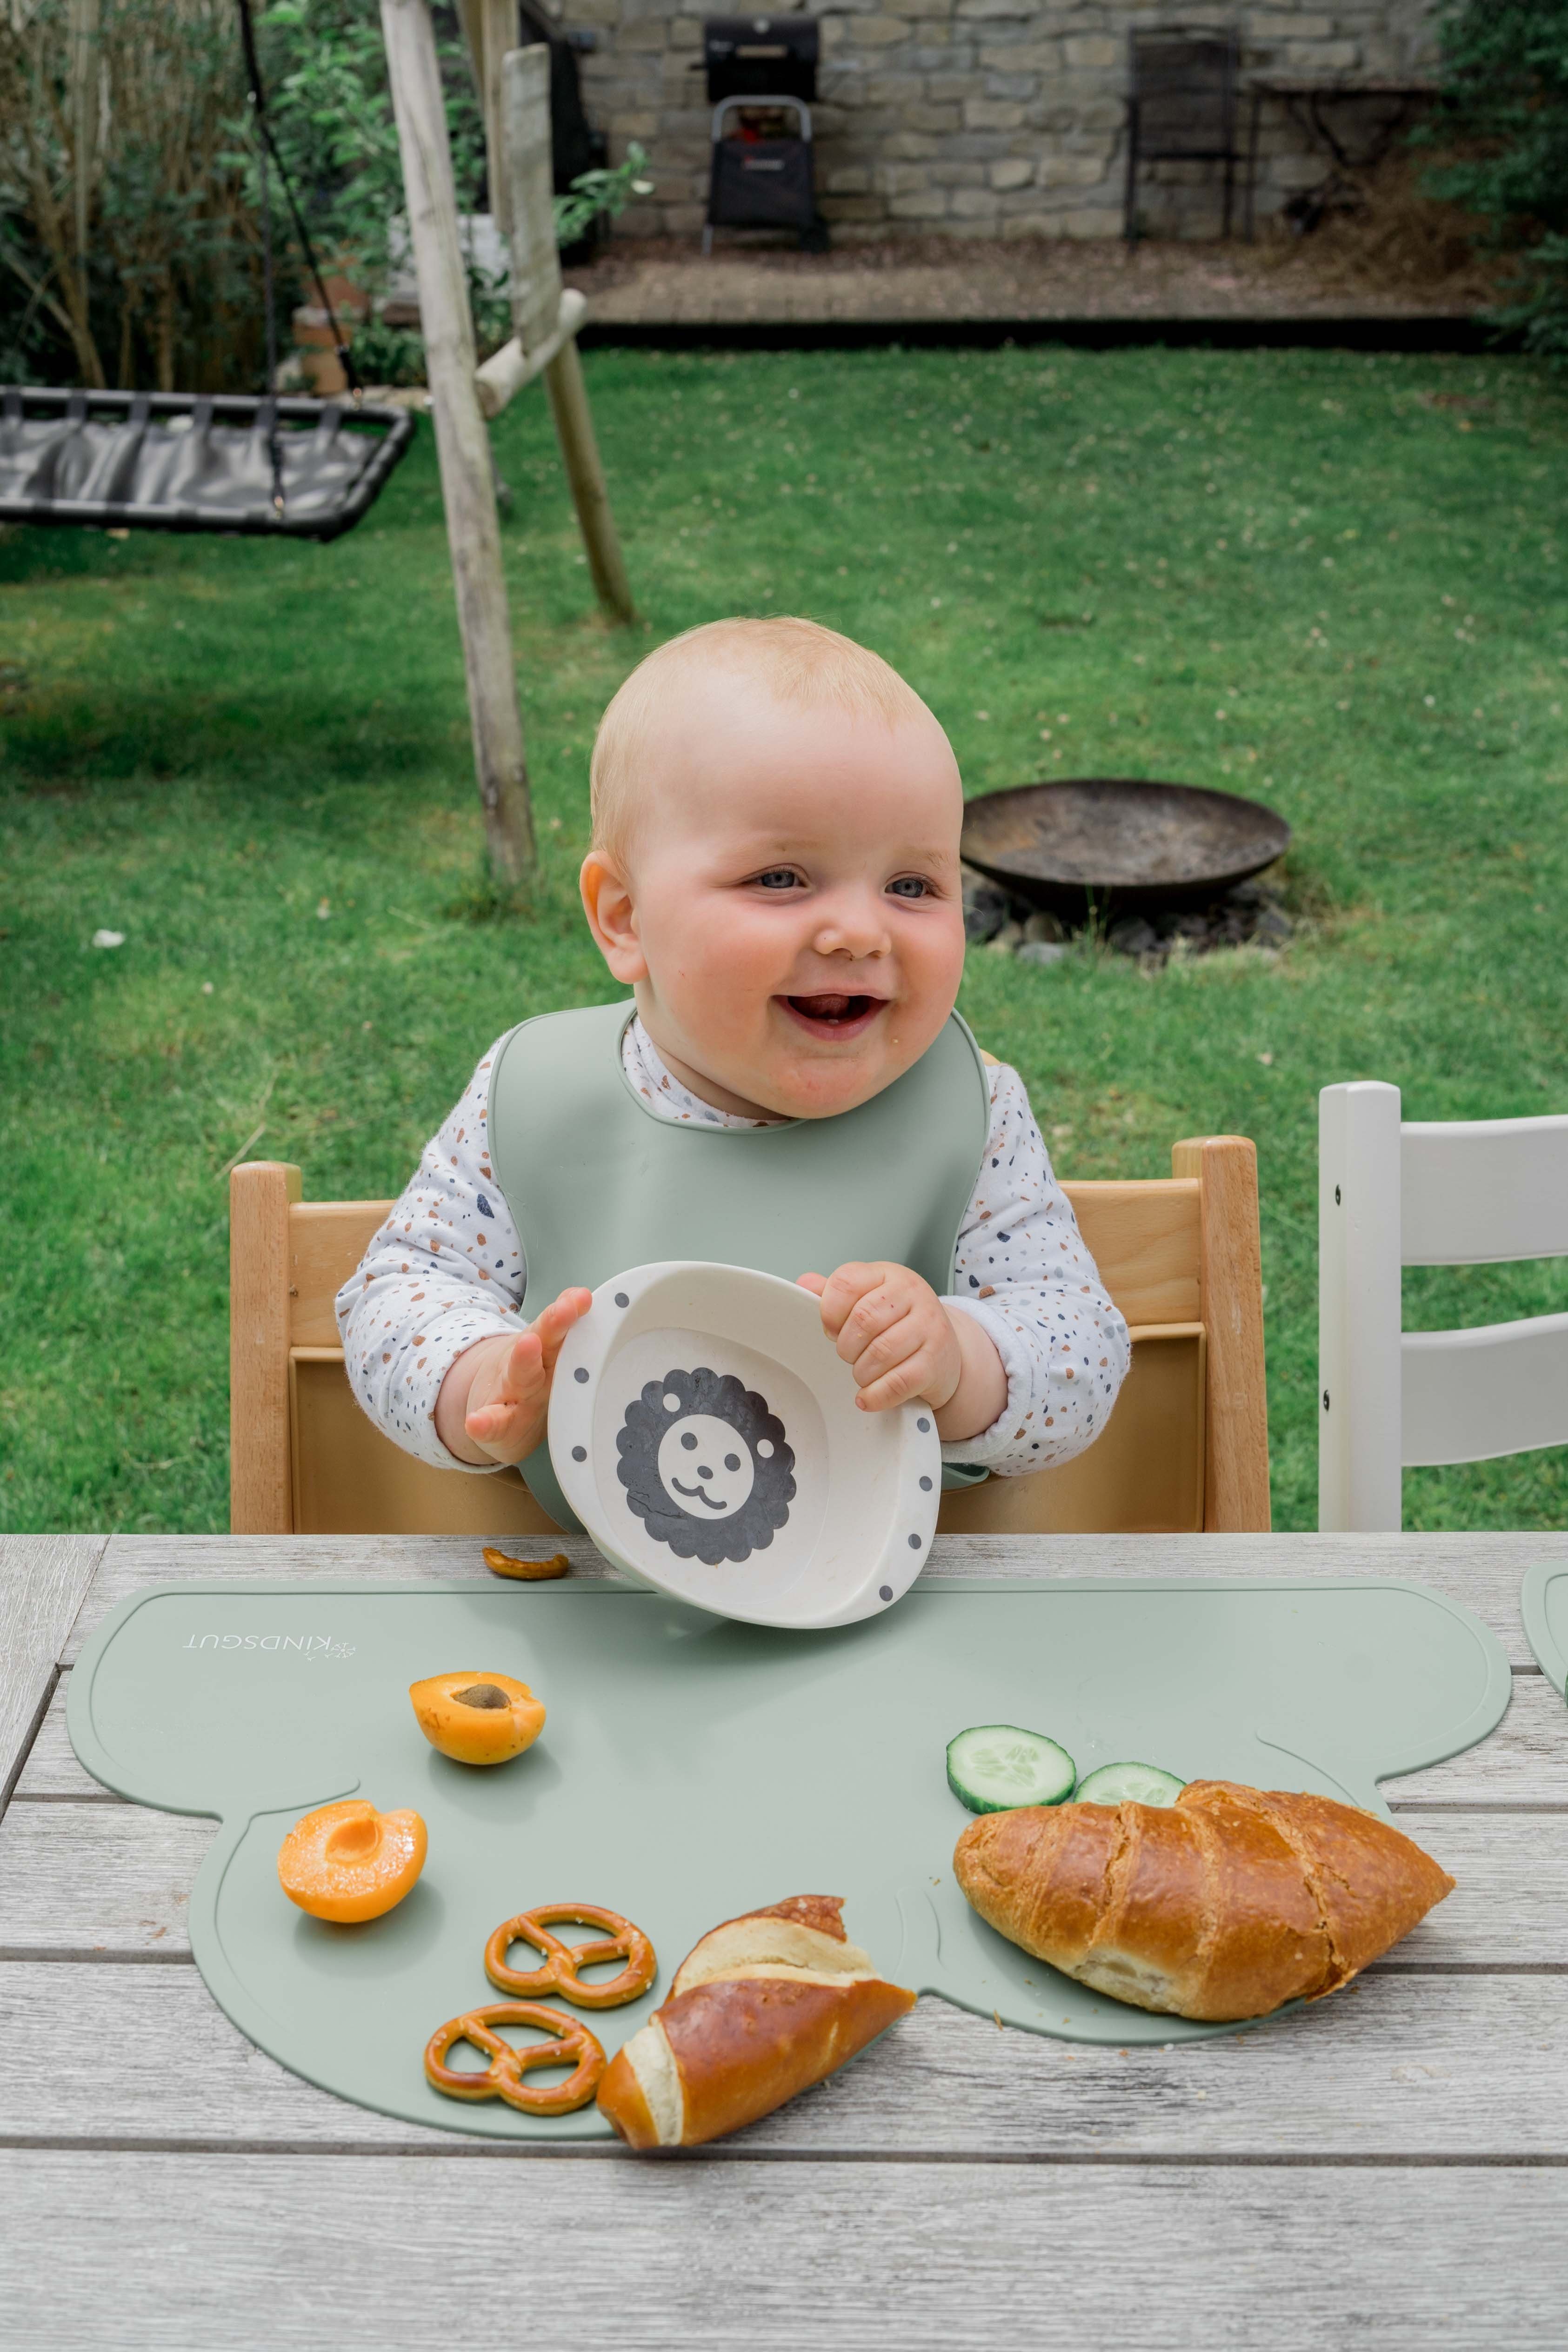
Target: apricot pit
[345, 1862]
[478, 1718]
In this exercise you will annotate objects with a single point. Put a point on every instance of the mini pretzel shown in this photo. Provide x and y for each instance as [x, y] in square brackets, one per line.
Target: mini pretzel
[562, 1961]
[503, 2077]
[526, 1571]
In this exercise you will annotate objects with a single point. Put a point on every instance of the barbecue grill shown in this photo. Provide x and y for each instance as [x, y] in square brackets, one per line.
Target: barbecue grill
[762, 75]
[769, 57]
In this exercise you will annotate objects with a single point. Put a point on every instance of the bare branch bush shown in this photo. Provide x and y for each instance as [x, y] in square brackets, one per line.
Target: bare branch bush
[124, 216]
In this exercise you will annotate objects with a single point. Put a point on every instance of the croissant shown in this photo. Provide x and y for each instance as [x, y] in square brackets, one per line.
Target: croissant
[763, 2007]
[1224, 1904]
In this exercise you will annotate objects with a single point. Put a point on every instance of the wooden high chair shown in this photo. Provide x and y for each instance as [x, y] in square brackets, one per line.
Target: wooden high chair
[1186, 1449]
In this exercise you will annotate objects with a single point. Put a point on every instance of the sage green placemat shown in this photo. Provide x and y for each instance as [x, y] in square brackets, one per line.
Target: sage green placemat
[691, 1768]
[1543, 1605]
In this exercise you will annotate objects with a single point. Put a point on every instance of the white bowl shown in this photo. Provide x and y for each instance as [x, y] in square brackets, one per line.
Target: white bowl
[704, 1430]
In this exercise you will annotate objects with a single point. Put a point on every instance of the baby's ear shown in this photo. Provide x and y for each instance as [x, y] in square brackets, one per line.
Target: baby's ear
[611, 916]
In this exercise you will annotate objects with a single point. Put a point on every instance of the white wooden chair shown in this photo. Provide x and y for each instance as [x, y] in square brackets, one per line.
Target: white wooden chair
[1392, 1194]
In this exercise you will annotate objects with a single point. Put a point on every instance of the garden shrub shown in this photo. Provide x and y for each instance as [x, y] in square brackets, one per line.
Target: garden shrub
[123, 229]
[329, 106]
[1505, 108]
[131, 217]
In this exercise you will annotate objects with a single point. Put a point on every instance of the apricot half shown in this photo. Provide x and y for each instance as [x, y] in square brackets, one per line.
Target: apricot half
[347, 1862]
[478, 1718]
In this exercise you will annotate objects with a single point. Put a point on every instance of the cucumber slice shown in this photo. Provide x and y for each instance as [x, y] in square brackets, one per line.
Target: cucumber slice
[994, 1766]
[1128, 1784]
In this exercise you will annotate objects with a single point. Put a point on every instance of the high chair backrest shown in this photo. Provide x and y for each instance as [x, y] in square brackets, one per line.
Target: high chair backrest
[1187, 1447]
[1394, 1193]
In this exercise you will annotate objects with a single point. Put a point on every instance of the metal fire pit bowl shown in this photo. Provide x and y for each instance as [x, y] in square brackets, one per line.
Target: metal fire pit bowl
[1119, 843]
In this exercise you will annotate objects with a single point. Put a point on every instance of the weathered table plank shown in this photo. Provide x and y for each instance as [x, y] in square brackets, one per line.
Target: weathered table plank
[1483, 1571]
[42, 1582]
[182, 2253]
[78, 1878]
[1425, 2068]
[1524, 1762]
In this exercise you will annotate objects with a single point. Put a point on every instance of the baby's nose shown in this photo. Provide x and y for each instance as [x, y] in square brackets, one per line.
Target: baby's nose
[853, 935]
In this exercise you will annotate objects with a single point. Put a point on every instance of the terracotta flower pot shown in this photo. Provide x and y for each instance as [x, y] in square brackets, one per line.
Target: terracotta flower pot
[314, 341]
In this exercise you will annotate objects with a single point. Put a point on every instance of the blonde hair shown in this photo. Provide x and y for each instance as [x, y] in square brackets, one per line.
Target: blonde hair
[798, 662]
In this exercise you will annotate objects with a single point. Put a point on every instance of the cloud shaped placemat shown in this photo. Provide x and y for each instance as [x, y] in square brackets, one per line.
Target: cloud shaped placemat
[1543, 1605]
[692, 1768]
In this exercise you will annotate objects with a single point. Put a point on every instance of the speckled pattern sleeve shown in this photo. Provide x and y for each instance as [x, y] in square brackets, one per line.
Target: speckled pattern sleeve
[1022, 1269]
[447, 1268]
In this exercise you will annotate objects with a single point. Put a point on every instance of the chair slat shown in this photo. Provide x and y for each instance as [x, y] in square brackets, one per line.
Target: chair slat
[1143, 1476]
[1145, 1240]
[349, 1478]
[1483, 1191]
[1470, 1396]
[326, 1239]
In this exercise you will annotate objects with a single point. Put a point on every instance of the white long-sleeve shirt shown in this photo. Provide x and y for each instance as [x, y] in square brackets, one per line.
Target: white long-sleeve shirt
[447, 1268]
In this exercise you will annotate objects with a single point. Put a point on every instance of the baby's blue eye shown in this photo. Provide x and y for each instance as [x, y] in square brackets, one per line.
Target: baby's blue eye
[908, 886]
[778, 878]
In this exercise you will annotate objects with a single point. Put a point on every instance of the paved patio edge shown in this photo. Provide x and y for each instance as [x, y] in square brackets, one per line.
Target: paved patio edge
[1458, 336]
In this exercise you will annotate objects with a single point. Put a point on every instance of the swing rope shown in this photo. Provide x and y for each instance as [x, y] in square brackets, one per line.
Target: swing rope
[267, 148]
[274, 443]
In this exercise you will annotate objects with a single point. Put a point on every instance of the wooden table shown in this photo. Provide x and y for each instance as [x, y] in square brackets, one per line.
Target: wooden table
[1385, 2169]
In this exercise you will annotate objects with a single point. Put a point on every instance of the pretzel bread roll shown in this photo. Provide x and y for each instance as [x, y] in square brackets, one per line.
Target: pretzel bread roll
[1224, 1905]
[762, 2008]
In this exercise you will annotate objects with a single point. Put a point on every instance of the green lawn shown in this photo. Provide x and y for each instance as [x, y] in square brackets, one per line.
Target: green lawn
[1296, 571]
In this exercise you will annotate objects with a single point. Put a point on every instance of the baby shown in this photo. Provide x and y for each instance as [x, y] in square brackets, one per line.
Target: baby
[775, 877]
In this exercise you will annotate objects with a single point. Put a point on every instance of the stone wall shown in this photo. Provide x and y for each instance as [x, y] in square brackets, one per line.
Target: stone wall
[977, 118]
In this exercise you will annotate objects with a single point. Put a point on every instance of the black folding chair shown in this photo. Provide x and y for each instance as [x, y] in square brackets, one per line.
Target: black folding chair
[1181, 105]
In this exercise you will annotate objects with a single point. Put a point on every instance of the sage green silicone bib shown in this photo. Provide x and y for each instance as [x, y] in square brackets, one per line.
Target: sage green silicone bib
[597, 1182]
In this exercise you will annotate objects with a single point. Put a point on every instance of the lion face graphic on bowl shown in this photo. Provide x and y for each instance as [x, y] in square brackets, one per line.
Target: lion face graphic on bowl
[706, 1466]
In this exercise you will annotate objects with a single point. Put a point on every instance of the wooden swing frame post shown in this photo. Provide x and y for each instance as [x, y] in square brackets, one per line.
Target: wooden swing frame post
[545, 320]
[489, 30]
[462, 440]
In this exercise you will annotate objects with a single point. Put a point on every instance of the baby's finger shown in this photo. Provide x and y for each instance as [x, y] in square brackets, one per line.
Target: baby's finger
[876, 1313]
[903, 1338]
[503, 1429]
[487, 1422]
[904, 1382]
[815, 1283]
[556, 1320]
[842, 1289]
[521, 1372]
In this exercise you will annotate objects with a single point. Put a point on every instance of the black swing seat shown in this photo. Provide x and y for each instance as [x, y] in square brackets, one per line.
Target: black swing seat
[193, 461]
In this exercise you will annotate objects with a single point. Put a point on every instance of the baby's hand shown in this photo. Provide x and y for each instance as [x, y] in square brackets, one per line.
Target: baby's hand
[507, 1399]
[894, 1332]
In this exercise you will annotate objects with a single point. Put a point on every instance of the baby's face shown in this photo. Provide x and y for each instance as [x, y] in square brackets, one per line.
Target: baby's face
[795, 929]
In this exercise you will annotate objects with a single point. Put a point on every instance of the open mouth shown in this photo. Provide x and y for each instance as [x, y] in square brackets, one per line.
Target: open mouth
[831, 1015]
